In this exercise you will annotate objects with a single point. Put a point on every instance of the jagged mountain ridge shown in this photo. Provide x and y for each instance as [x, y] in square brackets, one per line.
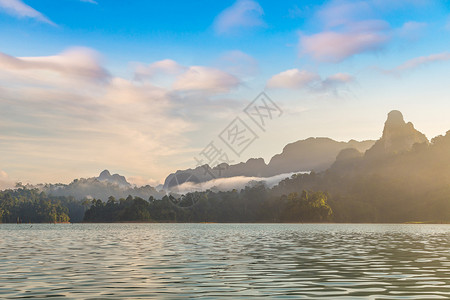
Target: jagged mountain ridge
[100, 187]
[312, 154]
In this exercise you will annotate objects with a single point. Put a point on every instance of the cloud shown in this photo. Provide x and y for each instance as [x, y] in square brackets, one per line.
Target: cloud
[292, 79]
[89, 1]
[335, 46]
[242, 14]
[47, 128]
[418, 62]
[301, 79]
[67, 112]
[238, 63]
[230, 183]
[198, 78]
[178, 78]
[349, 28]
[19, 9]
[412, 30]
[77, 62]
[162, 67]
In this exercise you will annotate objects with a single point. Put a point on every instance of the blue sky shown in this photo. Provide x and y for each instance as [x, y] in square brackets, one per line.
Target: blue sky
[141, 88]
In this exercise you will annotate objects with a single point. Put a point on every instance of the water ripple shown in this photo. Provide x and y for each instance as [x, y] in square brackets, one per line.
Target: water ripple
[172, 261]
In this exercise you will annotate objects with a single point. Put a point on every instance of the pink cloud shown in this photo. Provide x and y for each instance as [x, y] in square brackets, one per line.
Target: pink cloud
[419, 61]
[198, 78]
[333, 46]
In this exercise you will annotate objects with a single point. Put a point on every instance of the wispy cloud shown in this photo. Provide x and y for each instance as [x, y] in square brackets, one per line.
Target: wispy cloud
[238, 63]
[350, 28]
[292, 79]
[199, 78]
[242, 14]
[162, 67]
[19, 9]
[89, 1]
[79, 62]
[351, 39]
[302, 79]
[412, 30]
[418, 62]
[186, 78]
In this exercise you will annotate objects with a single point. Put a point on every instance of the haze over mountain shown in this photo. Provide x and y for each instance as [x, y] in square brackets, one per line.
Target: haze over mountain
[403, 177]
[312, 154]
[101, 187]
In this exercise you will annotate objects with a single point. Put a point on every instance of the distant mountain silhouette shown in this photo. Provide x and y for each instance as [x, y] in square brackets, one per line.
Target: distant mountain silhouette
[311, 154]
[403, 177]
[398, 136]
[121, 181]
[100, 187]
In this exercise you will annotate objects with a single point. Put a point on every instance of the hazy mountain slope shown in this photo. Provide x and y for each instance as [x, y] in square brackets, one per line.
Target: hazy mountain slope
[312, 154]
[401, 178]
[305, 155]
[100, 187]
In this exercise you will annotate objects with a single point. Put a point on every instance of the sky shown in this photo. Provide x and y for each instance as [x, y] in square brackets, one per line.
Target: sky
[144, 88]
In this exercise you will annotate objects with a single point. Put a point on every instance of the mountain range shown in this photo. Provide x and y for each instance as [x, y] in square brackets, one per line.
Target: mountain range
[312, 154]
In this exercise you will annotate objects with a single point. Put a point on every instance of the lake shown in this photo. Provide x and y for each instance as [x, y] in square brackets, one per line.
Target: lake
[172, 261]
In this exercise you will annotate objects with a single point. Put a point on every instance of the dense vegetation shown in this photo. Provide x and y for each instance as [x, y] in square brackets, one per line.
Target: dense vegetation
[252, 204]
[31, 206]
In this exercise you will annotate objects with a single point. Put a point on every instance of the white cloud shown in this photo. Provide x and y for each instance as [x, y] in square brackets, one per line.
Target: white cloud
[242, 14]
[301, 79]
[78, 62]
[89, 1]
[198, 78]
[230, 183]
[418, 62]
[19, 9]
[162, 67]
[292, 79]
[175, 77]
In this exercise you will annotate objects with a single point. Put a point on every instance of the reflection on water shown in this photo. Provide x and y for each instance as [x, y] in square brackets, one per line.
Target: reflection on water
[229, 260]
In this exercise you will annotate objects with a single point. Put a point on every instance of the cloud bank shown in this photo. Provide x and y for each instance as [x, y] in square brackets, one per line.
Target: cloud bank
[228, 184]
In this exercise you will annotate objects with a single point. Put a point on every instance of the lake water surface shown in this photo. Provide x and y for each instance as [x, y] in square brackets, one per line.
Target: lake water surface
[173, 261]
